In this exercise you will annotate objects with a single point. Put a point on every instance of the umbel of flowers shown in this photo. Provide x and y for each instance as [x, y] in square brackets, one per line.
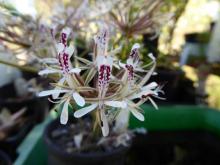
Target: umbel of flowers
[104, 84]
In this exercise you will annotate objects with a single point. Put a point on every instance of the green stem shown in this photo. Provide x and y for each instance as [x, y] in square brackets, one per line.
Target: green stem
[23, 68]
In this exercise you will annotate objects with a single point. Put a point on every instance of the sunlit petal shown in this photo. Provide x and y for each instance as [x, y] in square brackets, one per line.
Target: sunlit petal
[70, 50]
[60, 82]
[81, 112]
[48, 71]
[51, 92]
[64, 114]
[151, 85]
[137, 114]
[135, 46]
[75, 70]
[60, 47]
[49, 60]
[78, 99]
[117, 104]
[153, 103]
[122, 65]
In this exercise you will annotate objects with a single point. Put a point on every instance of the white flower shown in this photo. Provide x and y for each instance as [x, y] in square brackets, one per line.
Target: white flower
[104, 122]
[75, 95]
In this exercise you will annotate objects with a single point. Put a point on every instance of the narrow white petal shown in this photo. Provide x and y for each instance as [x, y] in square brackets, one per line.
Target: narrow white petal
[153, 103]
[146, 92]
[81, 112]
[104, 123]
[60, 47]
[67, 31]
[122, 65]
[60, 82]
[117, 104]
[110, 61]
[64, 113]
[79, 99]
[49, 60]
[70, 50]
[135, 46]
[151, 56]
[151, 85]
[137, 114]
[48, 71]
[75, 70]
[129, 61]
[51, 92]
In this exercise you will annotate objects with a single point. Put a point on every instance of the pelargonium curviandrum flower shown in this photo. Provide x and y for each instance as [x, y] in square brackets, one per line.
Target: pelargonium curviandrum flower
[67, 72]
[98, 88]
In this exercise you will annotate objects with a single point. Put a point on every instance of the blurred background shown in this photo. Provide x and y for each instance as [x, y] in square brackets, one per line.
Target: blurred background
[184, 36]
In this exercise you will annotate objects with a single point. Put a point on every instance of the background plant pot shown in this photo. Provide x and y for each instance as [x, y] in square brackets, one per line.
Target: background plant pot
[10, 144]
[37, 108]
[58, 157]
[178, 89]
[4, 159]
[36, 111]
[176, 147]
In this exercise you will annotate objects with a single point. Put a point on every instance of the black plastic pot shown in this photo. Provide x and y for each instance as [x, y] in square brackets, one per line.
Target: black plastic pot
[58, 157]
[160, 148]
[10, 144]
[37, 108]
[178, 89]
[4, 159]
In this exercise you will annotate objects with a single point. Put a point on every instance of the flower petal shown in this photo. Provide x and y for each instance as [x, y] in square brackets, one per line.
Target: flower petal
[81, 112]
[122, 65]
[75, 70]
[79, 99]
[117, 104]
[70, 50]
[151, 85]
[135, 46]
[104, 123]
[48, 71]
[153, 103]
[51, 92]
[67, 31]
[49, 60]
[64, 114]
[137, 114]
[60, 82]
[60, 47]
[151, 56]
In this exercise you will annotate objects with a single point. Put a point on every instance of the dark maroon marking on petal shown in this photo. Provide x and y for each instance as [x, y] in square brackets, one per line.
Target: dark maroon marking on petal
[130, 69]
[134, 55]
[145, 96]
[64, 39]
[104, 74]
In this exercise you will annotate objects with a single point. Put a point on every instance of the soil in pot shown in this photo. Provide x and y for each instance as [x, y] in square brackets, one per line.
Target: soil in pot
[4, 159]
[62, 148]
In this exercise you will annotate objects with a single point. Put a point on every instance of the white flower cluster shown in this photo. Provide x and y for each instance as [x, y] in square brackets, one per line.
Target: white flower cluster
[93, 86]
